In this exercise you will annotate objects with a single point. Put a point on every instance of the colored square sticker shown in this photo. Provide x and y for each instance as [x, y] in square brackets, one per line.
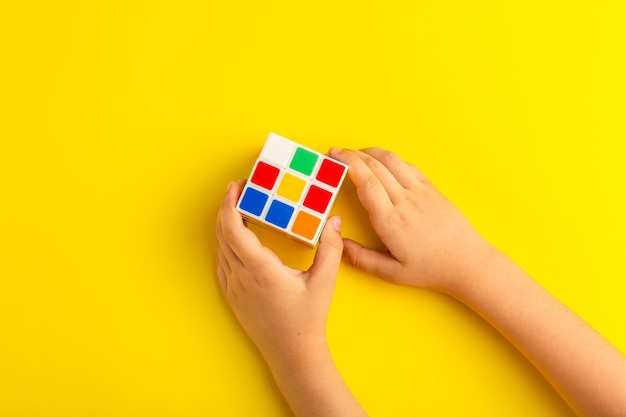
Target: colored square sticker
[265, 175]
[306, 225]
[291, 187]
[278, 150]
[303, 161]
[317, 199]
[253, 201]
[279, 214]
[330, 172]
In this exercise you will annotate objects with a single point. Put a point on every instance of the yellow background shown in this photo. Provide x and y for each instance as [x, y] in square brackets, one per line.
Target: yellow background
[122, 121]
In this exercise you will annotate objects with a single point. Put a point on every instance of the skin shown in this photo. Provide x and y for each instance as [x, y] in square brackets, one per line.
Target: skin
[284, 311]
[430, 244]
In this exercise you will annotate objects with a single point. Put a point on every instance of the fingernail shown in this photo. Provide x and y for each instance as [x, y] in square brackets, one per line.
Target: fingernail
[230, 184]
[334, 151]
[337, 223]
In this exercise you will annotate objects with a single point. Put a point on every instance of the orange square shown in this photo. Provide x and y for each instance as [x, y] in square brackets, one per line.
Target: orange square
[306, 225]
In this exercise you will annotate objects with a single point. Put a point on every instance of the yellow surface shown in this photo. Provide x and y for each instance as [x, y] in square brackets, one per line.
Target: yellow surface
[122, 121]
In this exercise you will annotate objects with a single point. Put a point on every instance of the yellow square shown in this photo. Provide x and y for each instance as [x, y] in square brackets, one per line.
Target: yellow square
[291, 187]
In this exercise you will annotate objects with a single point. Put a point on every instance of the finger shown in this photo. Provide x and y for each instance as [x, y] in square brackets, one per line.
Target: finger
[391, 184]
[369, 187]
[369, 260]
[222, 277]
[400, 170]
[223, 259]
[323, 272]
[242, 241]
[418, 173]
[222, 246]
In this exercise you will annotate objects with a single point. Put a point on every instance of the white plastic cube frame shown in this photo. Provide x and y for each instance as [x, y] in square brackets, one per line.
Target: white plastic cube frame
[278, 152]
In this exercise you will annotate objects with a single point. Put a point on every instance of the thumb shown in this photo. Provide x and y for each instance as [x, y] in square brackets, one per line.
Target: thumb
[382, 264]
[328, 255]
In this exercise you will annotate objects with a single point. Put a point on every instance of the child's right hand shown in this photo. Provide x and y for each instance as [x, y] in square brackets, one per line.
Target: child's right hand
[430, 243]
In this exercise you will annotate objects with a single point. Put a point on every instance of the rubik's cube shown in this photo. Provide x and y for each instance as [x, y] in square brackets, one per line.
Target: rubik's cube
[291, 189]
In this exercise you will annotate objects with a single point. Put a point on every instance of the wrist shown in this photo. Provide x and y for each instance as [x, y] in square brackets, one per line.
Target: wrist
[299, 363]
[295, 350]
[307, 376]
[475, 271]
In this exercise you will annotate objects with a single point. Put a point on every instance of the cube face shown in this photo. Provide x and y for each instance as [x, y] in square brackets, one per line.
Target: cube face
[291, 189]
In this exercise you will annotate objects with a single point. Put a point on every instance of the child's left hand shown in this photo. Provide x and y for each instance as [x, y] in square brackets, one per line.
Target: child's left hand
[283, 310]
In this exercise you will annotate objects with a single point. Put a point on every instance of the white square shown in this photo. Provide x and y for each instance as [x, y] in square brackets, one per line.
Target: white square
[278, 149]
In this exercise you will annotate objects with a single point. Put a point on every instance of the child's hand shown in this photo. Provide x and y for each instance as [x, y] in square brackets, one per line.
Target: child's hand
[430, 243]
[282, 309]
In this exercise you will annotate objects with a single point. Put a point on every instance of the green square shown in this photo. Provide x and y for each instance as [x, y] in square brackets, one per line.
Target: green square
[303, 161]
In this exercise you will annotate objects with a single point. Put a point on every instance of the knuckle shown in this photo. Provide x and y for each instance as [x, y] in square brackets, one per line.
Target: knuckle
[404, 219]
[229, 236]
[262, 280]
[389, 158]
[371, 162]
[371, 181]
[353, 259]
[335, 243]
[351, 159]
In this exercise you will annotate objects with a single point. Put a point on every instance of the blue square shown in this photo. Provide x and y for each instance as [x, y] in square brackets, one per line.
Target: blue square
[279, 214]
[253, 201]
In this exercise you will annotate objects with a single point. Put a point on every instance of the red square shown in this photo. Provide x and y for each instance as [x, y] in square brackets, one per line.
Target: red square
[265, 175]
[330, 172]
[317, 199]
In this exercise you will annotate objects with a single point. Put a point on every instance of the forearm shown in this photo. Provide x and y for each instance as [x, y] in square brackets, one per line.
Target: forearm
[586, 369]
[311, 383]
